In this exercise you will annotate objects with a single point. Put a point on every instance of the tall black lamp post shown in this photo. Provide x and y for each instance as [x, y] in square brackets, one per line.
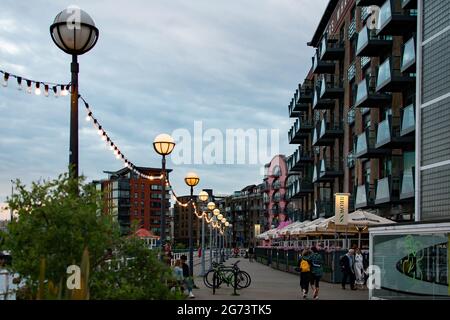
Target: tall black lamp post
[191, 180]
[163, 145]
[74, 32]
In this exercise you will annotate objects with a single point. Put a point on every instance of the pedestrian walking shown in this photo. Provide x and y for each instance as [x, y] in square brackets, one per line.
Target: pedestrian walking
[316, 271]
[359, 268]
[251, 253]
[178, 275]
[347, 268]
[305, 271]
[187, 279]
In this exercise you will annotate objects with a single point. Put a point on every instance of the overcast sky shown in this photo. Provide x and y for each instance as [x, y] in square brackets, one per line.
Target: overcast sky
[158, 66]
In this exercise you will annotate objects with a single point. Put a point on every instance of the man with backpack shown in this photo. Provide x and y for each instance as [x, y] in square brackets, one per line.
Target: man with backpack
[305, 271]
[316, 271]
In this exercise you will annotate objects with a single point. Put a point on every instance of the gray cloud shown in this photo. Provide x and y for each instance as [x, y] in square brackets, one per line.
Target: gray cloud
[158, 66]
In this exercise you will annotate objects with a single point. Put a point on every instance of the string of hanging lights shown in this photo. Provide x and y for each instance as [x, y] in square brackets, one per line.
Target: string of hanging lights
[58, 89]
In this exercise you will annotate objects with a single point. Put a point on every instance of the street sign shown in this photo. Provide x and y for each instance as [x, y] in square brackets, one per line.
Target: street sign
[341, 209]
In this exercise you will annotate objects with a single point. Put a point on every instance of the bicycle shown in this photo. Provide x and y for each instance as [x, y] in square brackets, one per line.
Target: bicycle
[226, 275]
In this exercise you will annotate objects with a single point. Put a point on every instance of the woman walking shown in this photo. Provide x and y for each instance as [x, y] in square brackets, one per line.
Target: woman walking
[359, 268]
[305, 272]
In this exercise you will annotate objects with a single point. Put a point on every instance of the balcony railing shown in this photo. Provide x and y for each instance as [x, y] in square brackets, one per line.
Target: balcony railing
[331, 87]
[396, 22]
[408, 125]
[388, 190]
[407, 186]
[299, 188]
[365, 61]
[409, 56]
[351, 115]
[391, 79]
[330, 169]
[352, 28]
[365, 146]
[331, 48]
[299, 159]
[330, 130]
[367, 97]
[322, 104]
[388, 135]
[366, 12]
[351, 160]
[305, 92]
[365, 196]
[320, 66]
[351, 71]
[371, 45]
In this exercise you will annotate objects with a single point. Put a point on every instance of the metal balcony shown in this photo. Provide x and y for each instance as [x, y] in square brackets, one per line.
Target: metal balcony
[371, 45]
[408, 125]
[351, 115]
[351, 160]
[396, 22]
[325, 208]
[409, 4]
[365, 146]
[409, 57]
[300, 130]
[331, 87]
[351, 32]
[407, 185]
[299, 188]
[331, 48]
[365, 196]
[300, 104]
[329, 170]
[306, 92]
[388, 135]
[320, 66]
[366, 3]
[319, 140]
[391, 79]
[367, 97]
[299, 159]
[387, 190]
[292, 112]
[322, 104]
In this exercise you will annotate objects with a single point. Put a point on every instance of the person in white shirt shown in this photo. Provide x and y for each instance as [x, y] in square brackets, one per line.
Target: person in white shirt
[359, 268]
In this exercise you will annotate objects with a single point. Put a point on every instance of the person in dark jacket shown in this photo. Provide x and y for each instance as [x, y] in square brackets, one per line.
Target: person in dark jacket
[316, 271]
[347, 268]
[188, 282]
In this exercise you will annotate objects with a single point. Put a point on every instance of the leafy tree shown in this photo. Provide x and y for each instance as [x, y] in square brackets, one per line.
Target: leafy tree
[62, 222]
[54, 226]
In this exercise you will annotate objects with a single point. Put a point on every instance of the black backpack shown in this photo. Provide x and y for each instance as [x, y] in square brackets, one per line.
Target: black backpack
[342, 261]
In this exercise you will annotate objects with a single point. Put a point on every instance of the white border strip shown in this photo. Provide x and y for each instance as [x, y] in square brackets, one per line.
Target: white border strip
[436, 35]
[435, 165]
[436, 100]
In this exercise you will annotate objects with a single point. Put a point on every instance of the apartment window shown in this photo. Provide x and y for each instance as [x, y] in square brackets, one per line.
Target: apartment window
[366, 121]
[135, 212]
[135, 195]
[155, 187]
[156, 204]
[385, 167]
[142, 212]
[156, 196]
[142, 195]
[353, 90]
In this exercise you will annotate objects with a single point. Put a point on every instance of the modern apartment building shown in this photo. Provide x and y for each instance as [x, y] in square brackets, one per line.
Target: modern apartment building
[247, 213]
[133, 199]
[354, 113]
[181, 222]
[414, 258]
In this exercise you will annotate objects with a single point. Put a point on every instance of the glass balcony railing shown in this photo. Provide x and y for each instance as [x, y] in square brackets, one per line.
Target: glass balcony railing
[331, 48]
[384, 72]
[407, 187]
[361, 92]
[392, 21]
[315, 175]
[387, 190]
[409, 4]
[408, 120]
[351, 114]
[391, 79]
[351, 160]
[409, 56]
[364, 196]
[352, 28]
[365, 144]
[384, 132]
[371, 45]
[351, 71]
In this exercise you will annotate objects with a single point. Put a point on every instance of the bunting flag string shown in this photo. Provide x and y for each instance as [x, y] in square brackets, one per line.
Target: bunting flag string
[58, 89]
